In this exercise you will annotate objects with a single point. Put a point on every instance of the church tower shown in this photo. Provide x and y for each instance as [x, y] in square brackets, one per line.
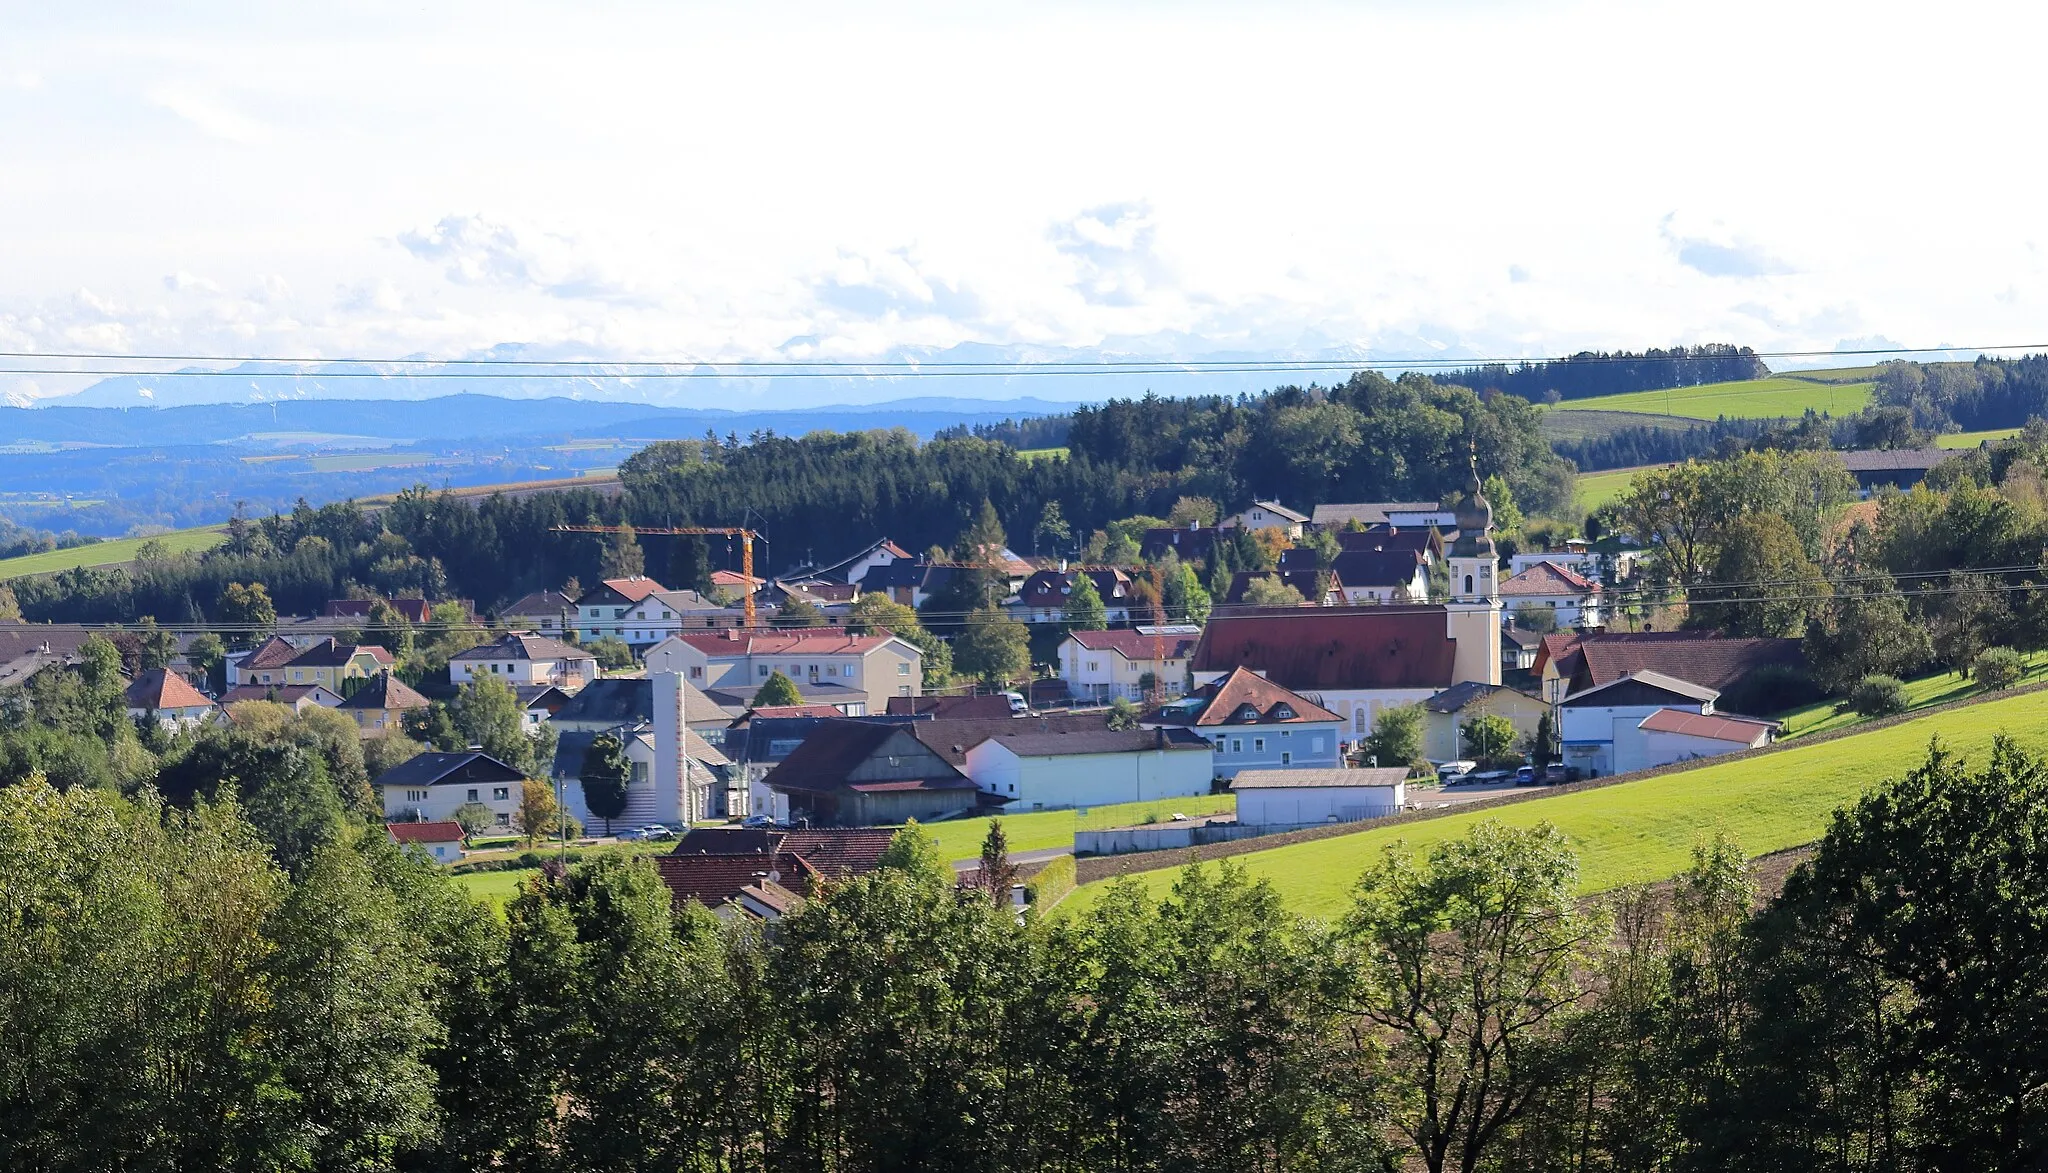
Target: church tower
[1474, 609]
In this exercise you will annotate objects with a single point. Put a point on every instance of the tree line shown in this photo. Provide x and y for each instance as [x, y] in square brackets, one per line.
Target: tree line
[175, 996]
[1976, 396]
[1591, 373]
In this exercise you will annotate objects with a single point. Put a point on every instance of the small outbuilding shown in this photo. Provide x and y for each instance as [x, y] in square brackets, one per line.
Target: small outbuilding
[1303, 798]
[441, 840]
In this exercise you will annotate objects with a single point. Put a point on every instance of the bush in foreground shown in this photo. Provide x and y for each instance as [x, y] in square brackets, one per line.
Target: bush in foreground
[1878, 696]
[1998, 668]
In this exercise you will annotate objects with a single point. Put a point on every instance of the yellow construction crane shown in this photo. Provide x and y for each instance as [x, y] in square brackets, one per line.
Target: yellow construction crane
[745, 535]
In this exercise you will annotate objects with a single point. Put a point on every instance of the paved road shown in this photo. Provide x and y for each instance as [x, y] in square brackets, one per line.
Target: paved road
[968, 865]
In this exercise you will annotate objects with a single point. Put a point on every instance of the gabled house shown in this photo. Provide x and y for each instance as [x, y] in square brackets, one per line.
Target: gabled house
[28, 648]
[985, 707]
[828, 664]
[1644, 719]
[1573, 600]
[1399, 514]
[299, 697]
[1250, 722]
[1353, 661]
[1425, 540]
[165, 697]
[380, 705]
[1266, 515]
[332, 665]
[1044, 596]
[1100, 666]
[629, 700]
[1278, 800]
[1445, 714]
[525, 658]
[1575, 555]
[601, 611]
[439, 841]
[765, 873]
[851, 568]
[413, 611]
[263, 664]
[1896, 468]
[664, 613]
[695, 792]
[550, 613]
[1196, 544]
[1052, 771]
[1576, 661]
[538, 702]
[858, 773]
[433, 785]
[1378, 575]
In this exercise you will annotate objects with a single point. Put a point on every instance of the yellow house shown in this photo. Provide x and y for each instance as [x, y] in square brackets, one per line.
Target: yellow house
[381, 704]
[328, 664]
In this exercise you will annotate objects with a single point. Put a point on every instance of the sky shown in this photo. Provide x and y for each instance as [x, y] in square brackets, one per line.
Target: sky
[785, 179]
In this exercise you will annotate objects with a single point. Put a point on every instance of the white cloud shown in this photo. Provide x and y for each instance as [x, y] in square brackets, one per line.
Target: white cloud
[475, 250]
[212, 117]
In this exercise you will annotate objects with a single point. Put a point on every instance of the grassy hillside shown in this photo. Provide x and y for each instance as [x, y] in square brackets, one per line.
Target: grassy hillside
[1972, 439]
[1836, 375]
[961, 838]
[1598, 488]
[1637, 832]
[1750, 399]
[1570, 424]
[111, 553]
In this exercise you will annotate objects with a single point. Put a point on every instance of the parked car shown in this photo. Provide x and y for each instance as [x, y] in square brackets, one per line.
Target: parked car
[1451, 773]
[632, 834]
[1525, 776]
[656, 832]
[758, 821]
[1489, 777]
[1018, 705]
[1558, 772]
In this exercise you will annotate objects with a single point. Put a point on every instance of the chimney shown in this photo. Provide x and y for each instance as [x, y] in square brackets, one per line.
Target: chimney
[1063, 566]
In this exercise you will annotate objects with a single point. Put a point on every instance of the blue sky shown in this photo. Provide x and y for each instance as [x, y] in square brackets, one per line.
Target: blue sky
[748, 180]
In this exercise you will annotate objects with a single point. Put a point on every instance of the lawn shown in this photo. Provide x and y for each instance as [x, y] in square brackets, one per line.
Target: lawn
[1748, 399]
[1039, 830]
[1836, 375]
[1637, 832]
[1598, 488]
[1972, 439]
[1925, 692]
[1041, 454]
[111, 553]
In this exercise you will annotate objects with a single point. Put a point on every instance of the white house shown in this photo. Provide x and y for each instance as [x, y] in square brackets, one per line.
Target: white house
[1399, 514]
[1266, 515]
[1250, 722]
[1104, 665]
[1672, 735]
[1043, 597]
[1576, 557]
[525, 658]
[601, 611]
[1052, 771]
[439, 841]
[432, 786]
[167, 698]
[1603, 727]
[1302, 798]
[1571, 598]
[664, 613]
[823, 661]
[546, 612]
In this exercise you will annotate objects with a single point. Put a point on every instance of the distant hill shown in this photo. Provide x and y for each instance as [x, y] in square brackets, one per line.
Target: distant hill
[473, 416]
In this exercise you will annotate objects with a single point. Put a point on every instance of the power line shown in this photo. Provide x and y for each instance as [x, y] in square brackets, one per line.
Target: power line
[826, 368]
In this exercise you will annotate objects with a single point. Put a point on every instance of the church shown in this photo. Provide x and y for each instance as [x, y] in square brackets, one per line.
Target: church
[1356, 661]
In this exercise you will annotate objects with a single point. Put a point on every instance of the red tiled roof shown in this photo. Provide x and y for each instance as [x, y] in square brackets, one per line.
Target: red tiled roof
[838, 852]
[413, 610]
[807, 641]
[1548, 578]
[441, 832]
[715, 879]
[635, 588]
[1136, 645]
[1227, 697]
[275, 652]
[161, 688]
[1741, 730]
[733, 578]
[1317, 648]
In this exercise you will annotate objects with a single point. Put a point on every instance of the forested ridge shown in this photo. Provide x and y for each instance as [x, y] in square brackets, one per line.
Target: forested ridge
[825, 494]
[180, 988]
[1592, 373]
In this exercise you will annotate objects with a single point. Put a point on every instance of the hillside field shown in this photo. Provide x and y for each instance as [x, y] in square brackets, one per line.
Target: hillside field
[110, 553]
[1973, 439]
[1598, 488]
[1767, 398]
[1638, 832]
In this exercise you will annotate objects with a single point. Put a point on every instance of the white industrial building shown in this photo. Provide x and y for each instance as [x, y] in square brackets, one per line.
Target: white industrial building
[1300, 798]
[1053, 771]
[1647, 719]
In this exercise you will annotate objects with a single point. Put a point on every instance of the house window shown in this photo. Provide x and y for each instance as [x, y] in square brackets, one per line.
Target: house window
[472, 795]
[764, 671]
[1286, 759]
[1258, 745]
[1358, 720]
[903, 690]
[504, 820]
[831, 669]
[1237, 745]
[495, 667]
[903, 669]
[1468, 584]
[501, 793]
[696, 672]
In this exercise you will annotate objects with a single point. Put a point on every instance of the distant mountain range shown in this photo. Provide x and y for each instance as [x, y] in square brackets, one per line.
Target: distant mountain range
[932, 378]
[472, 416]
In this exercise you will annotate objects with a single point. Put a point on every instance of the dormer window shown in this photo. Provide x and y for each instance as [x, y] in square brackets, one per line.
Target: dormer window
[1248, 712]
[1283, 712]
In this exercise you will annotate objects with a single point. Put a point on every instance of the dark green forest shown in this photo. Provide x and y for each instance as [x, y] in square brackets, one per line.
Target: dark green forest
[182, 988]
